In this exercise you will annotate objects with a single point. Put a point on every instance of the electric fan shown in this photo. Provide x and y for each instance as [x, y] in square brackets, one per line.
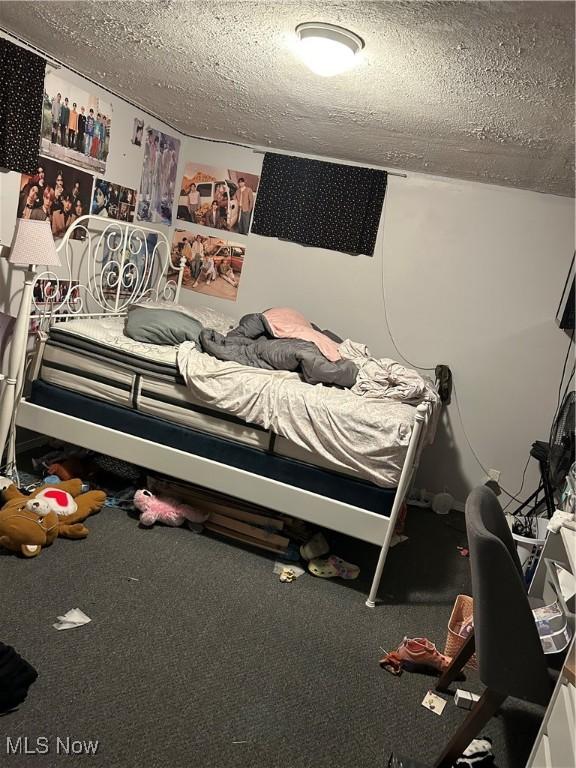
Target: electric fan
[561, 450]
[554, 459]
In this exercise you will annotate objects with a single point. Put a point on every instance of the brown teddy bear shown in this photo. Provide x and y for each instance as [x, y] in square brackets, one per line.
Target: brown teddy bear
[29, 523]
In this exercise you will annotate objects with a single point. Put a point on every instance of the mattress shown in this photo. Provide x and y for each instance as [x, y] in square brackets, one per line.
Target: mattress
[146, 385]
[93, 357]
[349, 490]
[270, 411]
[105, 335]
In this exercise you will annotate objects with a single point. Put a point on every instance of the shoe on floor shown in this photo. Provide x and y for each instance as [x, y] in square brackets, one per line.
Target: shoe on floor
[345, 570]
[317, 546]
[477, 754]
[422, 652]
[333, 567]
[415, 654]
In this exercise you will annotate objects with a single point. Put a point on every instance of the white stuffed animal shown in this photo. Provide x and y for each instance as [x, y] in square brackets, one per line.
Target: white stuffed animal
[42, 507]
[52, 499]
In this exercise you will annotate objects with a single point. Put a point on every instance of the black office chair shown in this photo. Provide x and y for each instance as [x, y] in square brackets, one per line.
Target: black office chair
[510, 657]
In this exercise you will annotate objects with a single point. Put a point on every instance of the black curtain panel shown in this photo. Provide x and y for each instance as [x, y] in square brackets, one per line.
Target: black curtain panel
[21, 94]
[325, 205]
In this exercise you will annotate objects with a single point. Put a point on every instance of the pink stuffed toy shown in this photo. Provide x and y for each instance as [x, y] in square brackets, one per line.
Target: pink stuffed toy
[165, 510]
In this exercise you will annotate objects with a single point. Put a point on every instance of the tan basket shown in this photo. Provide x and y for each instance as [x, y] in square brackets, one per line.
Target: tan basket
[462, 610]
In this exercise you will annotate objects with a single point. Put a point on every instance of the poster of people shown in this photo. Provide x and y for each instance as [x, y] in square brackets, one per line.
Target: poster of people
[156, 196]
[76, 125]
[52, 295]
[137, 132]
[217, 197]
[122, 274]
[55, 192]
[113, 201]
[213, 265]
[52, 291]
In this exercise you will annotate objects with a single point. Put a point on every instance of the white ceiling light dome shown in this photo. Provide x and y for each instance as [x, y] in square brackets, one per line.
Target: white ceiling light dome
[326, 49]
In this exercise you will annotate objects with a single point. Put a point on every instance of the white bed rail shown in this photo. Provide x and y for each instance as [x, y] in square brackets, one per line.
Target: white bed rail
[106, 266]
[415, 446]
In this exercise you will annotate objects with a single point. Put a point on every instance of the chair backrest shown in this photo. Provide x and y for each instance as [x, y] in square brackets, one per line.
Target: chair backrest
[510, 656]
[488, 511]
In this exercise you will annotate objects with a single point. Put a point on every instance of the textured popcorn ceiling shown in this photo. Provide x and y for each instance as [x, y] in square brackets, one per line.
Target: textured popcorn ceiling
[480, 91]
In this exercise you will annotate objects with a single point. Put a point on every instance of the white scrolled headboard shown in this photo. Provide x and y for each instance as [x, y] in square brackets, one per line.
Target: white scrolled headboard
[106, 266]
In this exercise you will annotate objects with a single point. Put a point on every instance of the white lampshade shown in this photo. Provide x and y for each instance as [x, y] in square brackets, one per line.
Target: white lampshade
[34, 244]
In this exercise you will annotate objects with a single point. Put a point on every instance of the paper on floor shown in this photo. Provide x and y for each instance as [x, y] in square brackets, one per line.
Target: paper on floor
[73, 618]
[434, 703]
[279, 567]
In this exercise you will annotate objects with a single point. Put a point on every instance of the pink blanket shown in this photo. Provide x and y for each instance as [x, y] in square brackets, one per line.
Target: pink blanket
[286, 323]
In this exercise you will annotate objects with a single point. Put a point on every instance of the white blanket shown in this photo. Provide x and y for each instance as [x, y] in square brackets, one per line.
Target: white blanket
[366, 432]
[383, 378]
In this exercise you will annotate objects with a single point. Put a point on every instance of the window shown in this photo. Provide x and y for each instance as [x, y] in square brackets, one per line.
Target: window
[205, 190]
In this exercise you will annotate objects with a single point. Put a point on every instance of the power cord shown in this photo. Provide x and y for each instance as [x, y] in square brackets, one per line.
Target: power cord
[480, 464]
[560, 399]
[512, 496]
[388, 327]
[519, 491]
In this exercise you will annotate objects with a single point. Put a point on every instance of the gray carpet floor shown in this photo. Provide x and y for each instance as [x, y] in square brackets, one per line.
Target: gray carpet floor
[208, 660]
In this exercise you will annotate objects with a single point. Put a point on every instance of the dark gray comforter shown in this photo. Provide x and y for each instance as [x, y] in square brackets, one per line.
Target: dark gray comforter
[252, 343]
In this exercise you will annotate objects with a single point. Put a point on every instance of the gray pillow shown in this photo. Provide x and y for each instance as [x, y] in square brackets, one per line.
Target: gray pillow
[160, 326]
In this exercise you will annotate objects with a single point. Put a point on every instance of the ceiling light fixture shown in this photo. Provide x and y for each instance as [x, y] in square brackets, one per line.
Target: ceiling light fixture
[327, 49]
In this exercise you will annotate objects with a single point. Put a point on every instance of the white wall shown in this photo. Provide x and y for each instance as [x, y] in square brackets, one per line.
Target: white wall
[472, 275]
[124, 166]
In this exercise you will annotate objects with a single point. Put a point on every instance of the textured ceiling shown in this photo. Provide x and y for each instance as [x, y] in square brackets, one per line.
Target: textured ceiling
[481, 91]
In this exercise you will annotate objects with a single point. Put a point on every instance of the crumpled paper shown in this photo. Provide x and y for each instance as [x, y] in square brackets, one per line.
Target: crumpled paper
[73, 618]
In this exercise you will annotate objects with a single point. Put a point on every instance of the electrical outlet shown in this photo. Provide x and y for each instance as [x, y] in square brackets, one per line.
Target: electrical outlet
[491, 481]
[494, 474]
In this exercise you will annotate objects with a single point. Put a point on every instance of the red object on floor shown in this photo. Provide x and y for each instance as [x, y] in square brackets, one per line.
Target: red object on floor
[401, 519]
[415, 654]
[464, 551]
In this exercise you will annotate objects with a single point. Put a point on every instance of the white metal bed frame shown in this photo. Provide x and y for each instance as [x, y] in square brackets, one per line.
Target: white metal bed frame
[113, 282]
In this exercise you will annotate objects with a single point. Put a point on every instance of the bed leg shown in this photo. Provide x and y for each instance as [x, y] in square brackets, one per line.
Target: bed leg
[371, 601]
[410, 464]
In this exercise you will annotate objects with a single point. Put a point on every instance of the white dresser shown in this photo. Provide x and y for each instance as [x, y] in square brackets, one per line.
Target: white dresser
[555, 745]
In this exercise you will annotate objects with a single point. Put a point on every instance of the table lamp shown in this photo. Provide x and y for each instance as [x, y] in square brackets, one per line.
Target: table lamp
[33, 246]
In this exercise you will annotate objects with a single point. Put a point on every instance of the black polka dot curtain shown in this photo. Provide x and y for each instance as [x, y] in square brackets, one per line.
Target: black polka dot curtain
[21, 92]
[325, 205]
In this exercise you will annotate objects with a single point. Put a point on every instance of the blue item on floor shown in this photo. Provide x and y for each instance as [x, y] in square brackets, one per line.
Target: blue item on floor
[123, 498]
[292, 554]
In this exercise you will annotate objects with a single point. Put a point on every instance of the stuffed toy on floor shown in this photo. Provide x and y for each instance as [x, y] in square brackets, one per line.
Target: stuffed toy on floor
[30, 523]
[163, 509]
